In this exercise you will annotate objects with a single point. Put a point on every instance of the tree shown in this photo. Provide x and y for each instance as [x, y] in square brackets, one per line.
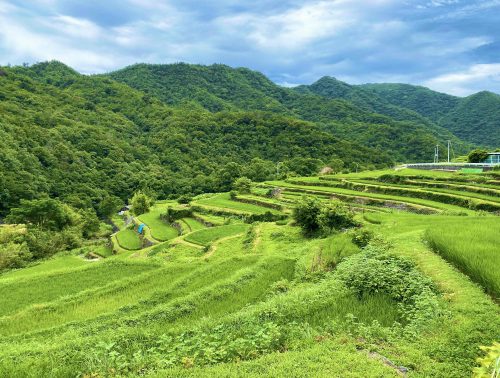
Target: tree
[140, 203]
[335, 216]
[336, 164]
[109, 205]
[306, 214]
[259, 170]
[47, 214]
[477, 156]
[89, 223]
[184, 199]
[243, 185]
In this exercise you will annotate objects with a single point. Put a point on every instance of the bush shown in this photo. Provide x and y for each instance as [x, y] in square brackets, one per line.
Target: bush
[141, 203]
[243, 185]
[477, 156]
[306, 214]
[377, 272]
[184, 199]
[335, 216]
[361, 237]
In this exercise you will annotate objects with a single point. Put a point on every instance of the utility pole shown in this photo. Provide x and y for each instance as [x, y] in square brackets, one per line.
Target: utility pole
[449, 143]
[436, 154]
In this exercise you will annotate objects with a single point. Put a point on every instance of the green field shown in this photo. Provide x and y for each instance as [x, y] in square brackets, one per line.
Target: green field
[128, 239]
[263, 299]
[205, 236]
[473, 246]
[160, 230]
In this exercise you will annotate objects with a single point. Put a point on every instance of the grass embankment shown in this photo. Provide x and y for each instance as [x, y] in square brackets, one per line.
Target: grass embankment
[223, 202]
[159, 229]
[129, 239]
[473, 246]
[208, 235]
[353, 193]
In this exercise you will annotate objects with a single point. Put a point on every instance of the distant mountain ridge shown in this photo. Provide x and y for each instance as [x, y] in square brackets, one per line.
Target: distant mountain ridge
[366, 119]
[474, 119]
[175, 129]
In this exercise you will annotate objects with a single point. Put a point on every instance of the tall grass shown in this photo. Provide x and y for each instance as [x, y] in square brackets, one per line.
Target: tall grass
[159, 229]
[223, 201]
[473, 246]
[207, 235]
[128, 239]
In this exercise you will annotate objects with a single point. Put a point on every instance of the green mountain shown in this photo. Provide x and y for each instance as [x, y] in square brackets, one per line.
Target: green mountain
[474, 119]
[360, 116]
[80, 138]
[172, 129]
[426, 102]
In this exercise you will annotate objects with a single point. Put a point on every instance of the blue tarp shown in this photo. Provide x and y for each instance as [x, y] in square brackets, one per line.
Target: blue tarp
[141, 227]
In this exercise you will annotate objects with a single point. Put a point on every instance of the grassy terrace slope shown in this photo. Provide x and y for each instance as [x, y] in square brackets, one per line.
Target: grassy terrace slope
[223, 202]
[160, 230]
[262, 299]
[313, 189]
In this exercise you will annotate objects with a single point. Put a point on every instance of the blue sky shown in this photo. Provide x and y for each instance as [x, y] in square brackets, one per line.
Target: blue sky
[448, 45]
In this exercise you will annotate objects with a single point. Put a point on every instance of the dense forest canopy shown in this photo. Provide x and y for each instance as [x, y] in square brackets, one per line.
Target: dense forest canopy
[80, 138]
[187, 129]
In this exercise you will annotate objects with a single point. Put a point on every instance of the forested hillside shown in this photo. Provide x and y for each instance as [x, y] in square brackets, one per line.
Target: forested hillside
[357, 115]
[474, 119]
[80, 138]
[173, 129]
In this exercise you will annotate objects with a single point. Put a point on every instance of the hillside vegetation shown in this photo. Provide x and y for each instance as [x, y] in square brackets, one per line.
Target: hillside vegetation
[239, 294]
[474, 119]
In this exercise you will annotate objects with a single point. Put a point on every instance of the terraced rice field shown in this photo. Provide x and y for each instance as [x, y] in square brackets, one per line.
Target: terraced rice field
[223, 202]
[193, 224]
[208, 235]
[473, 246]
[128, 239]
[160, 230]
[263, 300]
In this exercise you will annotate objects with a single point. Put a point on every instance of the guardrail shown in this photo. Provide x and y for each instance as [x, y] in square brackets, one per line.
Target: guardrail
[451, 166]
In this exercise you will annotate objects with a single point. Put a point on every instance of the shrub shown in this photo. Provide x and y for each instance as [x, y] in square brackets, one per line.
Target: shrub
[361, 237]
[184, 199]
[243, 185]
[377, 272]
[140, 203]
[477, 156]
[306, 214]
[335, 216]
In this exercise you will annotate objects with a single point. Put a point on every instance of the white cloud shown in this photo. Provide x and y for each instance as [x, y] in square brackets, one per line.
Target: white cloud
[74, 27]
[468, 81]
[27, 45]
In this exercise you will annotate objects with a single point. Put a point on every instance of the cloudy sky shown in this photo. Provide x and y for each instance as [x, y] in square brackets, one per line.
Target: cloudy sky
[448, 45]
